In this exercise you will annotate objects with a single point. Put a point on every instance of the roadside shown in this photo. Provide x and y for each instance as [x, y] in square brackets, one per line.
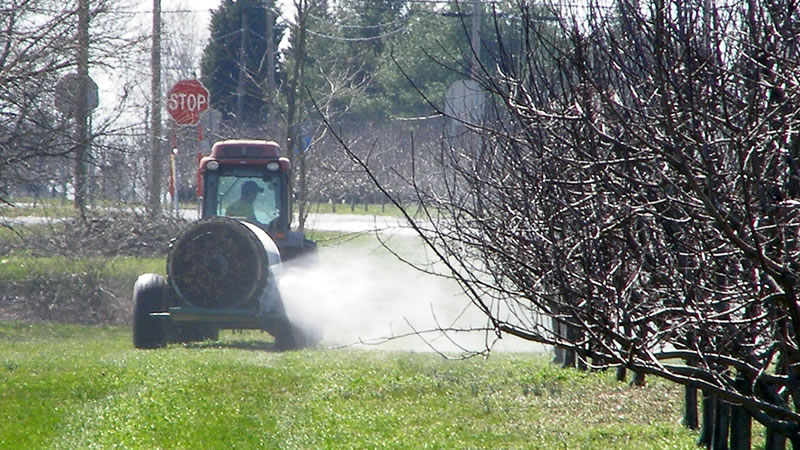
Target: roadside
[343, 223]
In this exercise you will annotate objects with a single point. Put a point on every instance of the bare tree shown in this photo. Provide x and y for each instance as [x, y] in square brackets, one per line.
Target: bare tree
[39, 49]
[332, 80]
[638, 180]
[33, 54]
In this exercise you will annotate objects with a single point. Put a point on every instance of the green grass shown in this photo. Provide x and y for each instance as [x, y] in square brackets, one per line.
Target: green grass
[85, 387]
[19, 267]
[44, 207]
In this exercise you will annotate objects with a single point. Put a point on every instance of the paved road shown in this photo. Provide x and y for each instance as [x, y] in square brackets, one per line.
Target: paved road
[346, 223]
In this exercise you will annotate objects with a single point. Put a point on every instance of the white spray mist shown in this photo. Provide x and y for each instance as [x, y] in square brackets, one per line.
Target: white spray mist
[358, 293]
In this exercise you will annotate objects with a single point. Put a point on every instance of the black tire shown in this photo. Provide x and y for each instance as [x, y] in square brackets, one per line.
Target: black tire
[211, 333]
[285, 338]
[289, 336]
[149, 296]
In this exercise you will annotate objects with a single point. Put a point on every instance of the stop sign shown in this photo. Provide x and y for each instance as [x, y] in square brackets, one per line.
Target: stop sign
[186, 100]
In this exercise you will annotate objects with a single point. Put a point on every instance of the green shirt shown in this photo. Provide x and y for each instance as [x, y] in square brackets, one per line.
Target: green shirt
[241, 208]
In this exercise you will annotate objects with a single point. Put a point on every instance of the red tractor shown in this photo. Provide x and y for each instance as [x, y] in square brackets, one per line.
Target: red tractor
[223, 270]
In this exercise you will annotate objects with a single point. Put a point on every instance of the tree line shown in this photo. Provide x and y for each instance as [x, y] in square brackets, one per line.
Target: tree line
[344, 55]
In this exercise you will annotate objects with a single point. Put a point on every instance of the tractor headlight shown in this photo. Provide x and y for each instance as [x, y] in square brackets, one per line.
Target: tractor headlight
[273, 166]
[212, 165]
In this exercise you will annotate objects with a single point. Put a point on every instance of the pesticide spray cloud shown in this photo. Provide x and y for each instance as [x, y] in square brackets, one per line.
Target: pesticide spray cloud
[360, 294]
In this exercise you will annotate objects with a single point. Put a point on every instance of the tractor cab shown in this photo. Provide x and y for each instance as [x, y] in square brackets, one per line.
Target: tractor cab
[248, 179]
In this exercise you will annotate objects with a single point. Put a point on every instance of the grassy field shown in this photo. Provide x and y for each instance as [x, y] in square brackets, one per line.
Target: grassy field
[68, 386]
[19, 266]
[65, 386]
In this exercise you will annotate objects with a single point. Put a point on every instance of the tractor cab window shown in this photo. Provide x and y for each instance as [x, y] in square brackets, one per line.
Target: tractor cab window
[255, 198]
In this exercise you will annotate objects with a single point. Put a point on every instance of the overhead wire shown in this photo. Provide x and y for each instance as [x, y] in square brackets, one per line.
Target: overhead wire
[356, 39]
[134, 12]
[325, 35]
[342, 25]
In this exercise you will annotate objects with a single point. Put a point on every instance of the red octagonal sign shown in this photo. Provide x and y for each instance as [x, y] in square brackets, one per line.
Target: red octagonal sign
[186, 100]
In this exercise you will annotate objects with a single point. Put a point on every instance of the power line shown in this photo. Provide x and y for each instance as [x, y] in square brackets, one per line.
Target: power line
[356, 39]
[380, 25]
[165, 11]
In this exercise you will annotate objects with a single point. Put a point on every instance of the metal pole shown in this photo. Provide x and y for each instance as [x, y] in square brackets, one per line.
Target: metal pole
[175, 201]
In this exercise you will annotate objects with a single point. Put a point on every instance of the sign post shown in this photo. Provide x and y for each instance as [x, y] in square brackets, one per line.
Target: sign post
[185, 102]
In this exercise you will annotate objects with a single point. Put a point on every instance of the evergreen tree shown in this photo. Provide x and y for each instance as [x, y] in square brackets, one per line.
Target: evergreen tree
[223, 65]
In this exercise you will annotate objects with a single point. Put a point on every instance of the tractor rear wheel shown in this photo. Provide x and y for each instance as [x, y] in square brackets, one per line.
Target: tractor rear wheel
[149, 296]
[291, 336]
[285, 338]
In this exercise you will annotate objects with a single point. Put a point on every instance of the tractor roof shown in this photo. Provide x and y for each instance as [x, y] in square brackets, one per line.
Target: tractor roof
[245, 148]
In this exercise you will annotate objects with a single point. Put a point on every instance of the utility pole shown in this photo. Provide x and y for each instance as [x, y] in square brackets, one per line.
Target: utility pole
[82, 108]
[242, 68]
[476, 39]
[296, 84]
[157, 159]
[270, 65]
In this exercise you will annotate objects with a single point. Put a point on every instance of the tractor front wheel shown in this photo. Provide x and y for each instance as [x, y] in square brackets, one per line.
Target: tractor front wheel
[148, 297]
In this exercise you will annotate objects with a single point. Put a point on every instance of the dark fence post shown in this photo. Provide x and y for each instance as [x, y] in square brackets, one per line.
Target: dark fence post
[722, 416]
[774, 441]
[690, 408]
[564, 356]
[707, 425]
[741, 422]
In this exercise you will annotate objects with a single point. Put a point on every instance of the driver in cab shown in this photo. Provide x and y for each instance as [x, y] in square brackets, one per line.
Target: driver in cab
[243, 207]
